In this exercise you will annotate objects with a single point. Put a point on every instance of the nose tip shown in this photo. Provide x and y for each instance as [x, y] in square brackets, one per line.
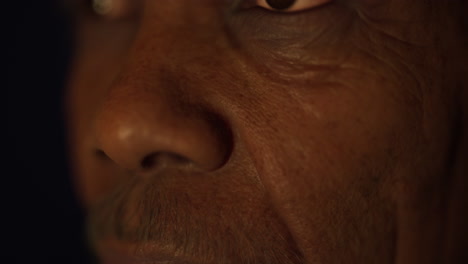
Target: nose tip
[148, 137]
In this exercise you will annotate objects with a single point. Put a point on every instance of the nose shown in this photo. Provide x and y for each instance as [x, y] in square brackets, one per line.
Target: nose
[145, 128]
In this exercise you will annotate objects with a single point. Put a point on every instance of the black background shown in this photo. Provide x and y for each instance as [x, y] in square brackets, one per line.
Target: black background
[42, 222]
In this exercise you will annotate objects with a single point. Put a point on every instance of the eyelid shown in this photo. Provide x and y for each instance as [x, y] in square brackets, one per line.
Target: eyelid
[297, 6]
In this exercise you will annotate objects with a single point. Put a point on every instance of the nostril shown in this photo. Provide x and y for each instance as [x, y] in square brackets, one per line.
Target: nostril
[159, 160]
[153, 135]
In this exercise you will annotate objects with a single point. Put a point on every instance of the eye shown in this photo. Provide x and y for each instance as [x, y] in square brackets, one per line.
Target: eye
[290, 5]
[115, 9]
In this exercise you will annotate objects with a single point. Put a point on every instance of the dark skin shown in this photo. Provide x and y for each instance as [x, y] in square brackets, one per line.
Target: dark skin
[235, 132]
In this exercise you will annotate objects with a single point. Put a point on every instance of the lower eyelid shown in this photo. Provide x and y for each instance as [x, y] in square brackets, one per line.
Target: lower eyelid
[326, 25]
[309, 4]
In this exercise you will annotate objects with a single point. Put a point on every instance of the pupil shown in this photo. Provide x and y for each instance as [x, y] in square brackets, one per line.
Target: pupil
[280, 4]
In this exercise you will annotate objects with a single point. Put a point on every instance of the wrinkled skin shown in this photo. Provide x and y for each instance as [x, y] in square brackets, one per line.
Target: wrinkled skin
[205, 133]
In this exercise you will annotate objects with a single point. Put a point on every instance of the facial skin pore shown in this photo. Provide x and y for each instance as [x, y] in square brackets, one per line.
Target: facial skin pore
[216, 131]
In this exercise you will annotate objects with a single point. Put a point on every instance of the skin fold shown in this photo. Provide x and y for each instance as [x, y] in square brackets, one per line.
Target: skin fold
[218, 131]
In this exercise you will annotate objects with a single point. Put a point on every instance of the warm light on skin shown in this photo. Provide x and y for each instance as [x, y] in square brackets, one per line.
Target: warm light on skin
[246, 135]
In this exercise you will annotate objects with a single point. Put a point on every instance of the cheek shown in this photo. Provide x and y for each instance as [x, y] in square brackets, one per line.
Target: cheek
[328, 152]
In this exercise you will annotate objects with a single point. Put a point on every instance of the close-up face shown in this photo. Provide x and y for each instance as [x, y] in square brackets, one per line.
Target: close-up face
[263, 131]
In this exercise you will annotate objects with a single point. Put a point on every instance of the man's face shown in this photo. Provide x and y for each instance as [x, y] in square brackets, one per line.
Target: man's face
[227, 131]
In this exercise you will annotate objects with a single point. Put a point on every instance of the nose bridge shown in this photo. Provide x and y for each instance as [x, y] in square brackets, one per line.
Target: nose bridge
[171, 48]
[153, 111]
[192, 14]
[182, 30]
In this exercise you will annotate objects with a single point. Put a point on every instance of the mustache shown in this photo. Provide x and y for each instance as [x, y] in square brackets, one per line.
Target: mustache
[214, 229]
